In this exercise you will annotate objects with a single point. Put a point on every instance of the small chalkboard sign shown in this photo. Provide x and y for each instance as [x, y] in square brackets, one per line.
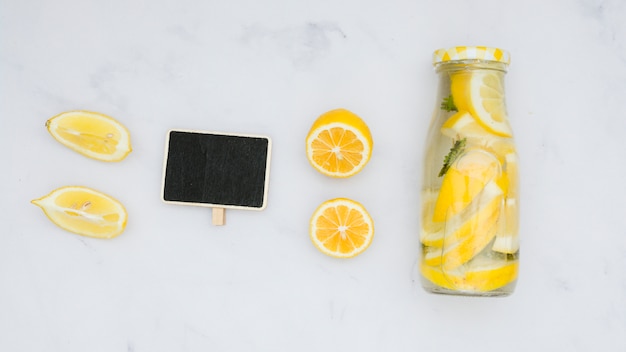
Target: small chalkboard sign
[217, 170]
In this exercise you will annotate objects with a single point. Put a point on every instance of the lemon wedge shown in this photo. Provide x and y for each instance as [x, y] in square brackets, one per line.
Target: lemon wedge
[84, 211]
[91, 134]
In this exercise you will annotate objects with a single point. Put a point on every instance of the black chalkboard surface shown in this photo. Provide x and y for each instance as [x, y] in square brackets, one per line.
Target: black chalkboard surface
[217, 170]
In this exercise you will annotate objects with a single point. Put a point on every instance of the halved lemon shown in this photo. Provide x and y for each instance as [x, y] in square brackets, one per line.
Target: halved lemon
[482, 94]
[339, 144]
[84, 211]
[92, 134]
[341, 228]
[481, 275]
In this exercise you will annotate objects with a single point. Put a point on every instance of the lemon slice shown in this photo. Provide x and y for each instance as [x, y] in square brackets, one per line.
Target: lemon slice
[431, 233]
[511, 166]
[481, 275]
[482, 94]
[463, 125]
[341, 228]
[339, 144]
[92, 134]
[462, 241]
[465, 179]
[84, 211]
[507, 240]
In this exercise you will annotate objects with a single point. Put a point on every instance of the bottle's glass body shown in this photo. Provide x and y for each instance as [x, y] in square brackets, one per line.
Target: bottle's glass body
[470, 192]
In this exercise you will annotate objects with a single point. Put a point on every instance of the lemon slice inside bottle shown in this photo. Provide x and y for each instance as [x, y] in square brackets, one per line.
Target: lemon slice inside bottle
[465, 237]
[465, 179]
[482, 94]
[480, 275]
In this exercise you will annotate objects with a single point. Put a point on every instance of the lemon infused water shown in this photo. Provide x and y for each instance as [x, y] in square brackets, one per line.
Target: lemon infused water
[469, 201]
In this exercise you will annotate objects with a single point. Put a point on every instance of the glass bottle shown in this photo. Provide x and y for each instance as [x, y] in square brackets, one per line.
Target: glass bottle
[469, 221]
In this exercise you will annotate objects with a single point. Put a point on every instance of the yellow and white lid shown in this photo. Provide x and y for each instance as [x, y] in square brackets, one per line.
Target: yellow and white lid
[471, 53]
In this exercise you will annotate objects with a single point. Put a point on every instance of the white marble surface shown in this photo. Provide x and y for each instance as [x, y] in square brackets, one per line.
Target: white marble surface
[173, 282]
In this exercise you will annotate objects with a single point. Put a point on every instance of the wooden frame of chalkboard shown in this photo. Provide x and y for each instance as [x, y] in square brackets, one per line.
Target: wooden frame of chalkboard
[216, 170]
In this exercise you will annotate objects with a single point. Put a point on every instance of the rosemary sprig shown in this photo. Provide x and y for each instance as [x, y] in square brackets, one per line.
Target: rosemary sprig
[457, 148]
[448, 104]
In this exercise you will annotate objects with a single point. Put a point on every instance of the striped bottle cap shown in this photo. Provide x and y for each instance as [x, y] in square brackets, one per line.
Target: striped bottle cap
[471, 53]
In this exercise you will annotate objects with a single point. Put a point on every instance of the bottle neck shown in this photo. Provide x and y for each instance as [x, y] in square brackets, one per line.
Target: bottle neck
[469, 65]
